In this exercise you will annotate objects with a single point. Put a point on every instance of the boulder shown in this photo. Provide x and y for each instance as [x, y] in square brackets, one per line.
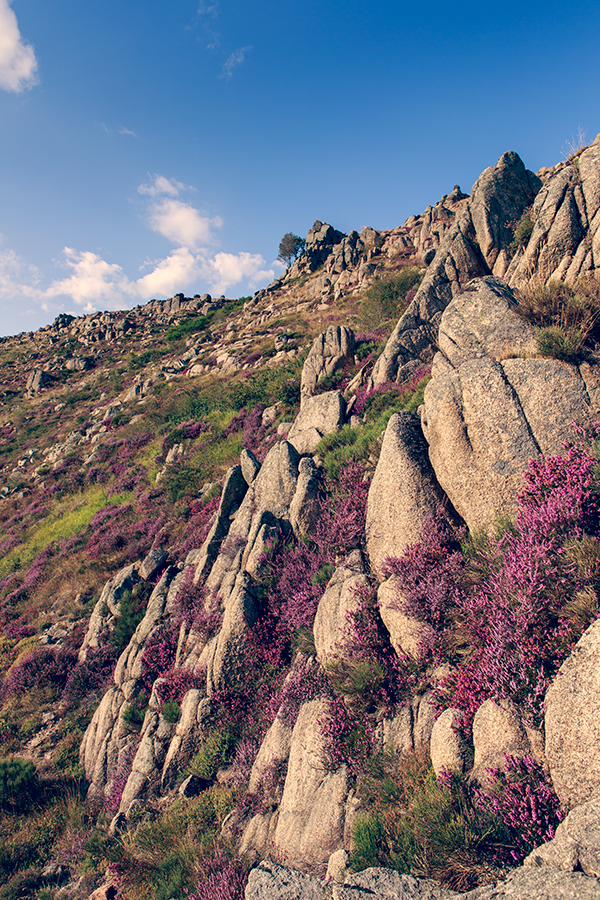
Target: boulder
[576, 844]
[483, 320]
[311, 813]
[250, 465]
[270, 881]
[234, 491]
[406, 633]
[340, 598]
[486, 419]
[572, 722]
[538, 884]
[318, 416]
[153, 563]
[404, 492]
[329, 351]
[386, 884]
[450, 751]
[304, 508]
[497, 732]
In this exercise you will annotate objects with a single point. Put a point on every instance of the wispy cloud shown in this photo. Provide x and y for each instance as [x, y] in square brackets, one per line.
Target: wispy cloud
[160, 185]
[207, 15]
[124, 130]
[234, 60]
[18, 63]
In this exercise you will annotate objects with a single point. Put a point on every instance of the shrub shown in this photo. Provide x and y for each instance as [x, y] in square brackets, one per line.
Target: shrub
[213, 754]
[171, 711]
[524, 800]
[568, 316]
[424, 827]
[522, 231]
[18, 781]
[508, 618]
[384, 299]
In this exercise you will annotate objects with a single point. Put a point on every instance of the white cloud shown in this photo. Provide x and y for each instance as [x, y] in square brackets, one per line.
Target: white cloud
[234, 59]
[93, 280]
[182, 223]
[161, 185]
[124, 130]
[18, 65]
[178, 271]
[16, 277]
[228, 269]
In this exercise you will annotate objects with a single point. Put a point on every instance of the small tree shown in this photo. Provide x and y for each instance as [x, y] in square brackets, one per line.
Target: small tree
[290, 248]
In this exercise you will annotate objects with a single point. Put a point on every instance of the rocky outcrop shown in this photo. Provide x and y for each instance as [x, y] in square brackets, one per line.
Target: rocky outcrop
[310, 824]
[404, 491]
[484, 418]
[572, 722]
[339, 600]
[476, 246]
[329, 351]
[108, 607]
[565, 238]
[318, 416]
[107, 740]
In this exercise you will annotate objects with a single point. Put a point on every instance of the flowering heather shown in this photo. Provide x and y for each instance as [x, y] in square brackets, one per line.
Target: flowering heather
[40, 668]
[525, 802]
[510, 603]
[176, 683]
[222, 878]
[199, 522]
[291, 576]
[347, 736]
[158, 658]
[253, 431]
[365, 395]
[306, 681]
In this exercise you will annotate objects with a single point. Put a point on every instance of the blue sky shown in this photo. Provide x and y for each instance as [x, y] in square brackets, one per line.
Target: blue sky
[149, 147]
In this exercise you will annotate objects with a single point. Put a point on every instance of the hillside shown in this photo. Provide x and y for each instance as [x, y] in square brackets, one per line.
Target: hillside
[305, 583]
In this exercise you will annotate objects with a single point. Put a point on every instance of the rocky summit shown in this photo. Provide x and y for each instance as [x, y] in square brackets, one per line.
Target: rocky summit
[299, 591]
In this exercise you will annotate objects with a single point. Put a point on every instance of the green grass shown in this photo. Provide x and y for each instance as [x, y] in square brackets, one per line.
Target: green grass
[60, 524]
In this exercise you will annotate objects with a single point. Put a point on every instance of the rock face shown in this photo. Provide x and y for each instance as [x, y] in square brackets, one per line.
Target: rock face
[572, 722]
[311, 813]
[476, 246]
[565, 240]
[329, 351]
[331, 622]
[576, 844]
[319, 416]
[483, 418]
[497, 733]
[404, 491]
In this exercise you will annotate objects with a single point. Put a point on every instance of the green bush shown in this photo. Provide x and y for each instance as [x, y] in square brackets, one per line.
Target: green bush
[427, 828]
[384, 299]
[18, 781]
[568, 316]
[214, 753]
[522, 231]
[171, 711]
[187, 328]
